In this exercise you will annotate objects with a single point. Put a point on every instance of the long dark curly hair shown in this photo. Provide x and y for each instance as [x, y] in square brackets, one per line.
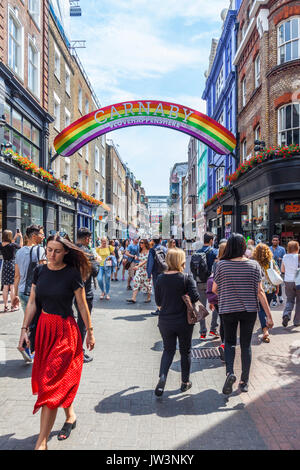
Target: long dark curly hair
[74, 257]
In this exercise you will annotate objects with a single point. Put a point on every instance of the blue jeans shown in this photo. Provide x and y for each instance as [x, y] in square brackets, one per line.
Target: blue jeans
[261, 313]
[23, 300]
[106, 274]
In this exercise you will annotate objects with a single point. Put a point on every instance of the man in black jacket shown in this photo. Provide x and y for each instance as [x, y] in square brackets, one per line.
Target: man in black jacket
[84, 236]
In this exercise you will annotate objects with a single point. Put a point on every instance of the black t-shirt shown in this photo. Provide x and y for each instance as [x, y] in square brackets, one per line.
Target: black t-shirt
[55, 289]
[9, 251]
[168, 295]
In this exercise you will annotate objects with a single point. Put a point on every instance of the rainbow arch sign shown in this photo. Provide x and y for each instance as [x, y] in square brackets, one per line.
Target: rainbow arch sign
[144, 113]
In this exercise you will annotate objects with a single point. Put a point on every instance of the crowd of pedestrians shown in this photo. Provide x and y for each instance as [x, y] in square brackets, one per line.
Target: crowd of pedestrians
[47, 277]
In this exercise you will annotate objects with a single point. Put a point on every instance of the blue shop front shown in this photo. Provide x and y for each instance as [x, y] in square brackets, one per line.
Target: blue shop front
[85, 216]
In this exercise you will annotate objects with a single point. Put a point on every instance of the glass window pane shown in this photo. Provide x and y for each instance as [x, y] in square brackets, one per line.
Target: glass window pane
[35, 136]
[288, 116]
[7, 112]
[26, 149]
[295, 115]
[287, 31]
[288, 51]
[17, 120]
[282, 138]
[289, 137]
[280, 39]
[282, 54]
[296, 136]
[26, 129]
[35, 155]
[16, 142]
[295, 28]
[295, 50]
[6, 135]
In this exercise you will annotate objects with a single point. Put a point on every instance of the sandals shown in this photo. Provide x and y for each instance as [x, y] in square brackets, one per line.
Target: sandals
[130, 301]
[102, 296]
[65, 431]
[266, 338]
[5, 309]
[147, 301]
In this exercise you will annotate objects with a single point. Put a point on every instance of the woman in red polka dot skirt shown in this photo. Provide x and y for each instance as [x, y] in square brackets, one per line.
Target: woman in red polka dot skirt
[58, 358]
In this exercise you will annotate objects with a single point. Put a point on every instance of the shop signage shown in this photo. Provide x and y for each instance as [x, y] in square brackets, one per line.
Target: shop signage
[292, 207]
[287, 234]
[85, 210]
[65, 201]
[26, 185]
[227, 210]
[151, 113]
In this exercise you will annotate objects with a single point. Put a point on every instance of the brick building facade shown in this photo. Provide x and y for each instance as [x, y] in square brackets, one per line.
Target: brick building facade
[267, 201]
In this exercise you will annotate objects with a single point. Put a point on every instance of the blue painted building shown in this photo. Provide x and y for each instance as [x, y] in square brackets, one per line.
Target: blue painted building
[220, 95]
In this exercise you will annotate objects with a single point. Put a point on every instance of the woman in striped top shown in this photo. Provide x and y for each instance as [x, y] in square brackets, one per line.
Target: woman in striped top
[237, 282]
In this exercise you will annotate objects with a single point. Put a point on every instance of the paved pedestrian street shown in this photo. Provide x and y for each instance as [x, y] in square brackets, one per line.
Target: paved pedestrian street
[117, 409]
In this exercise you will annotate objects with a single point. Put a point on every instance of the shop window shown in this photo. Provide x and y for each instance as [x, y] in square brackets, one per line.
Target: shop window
[246, 220]
[288, 41]
[261, 219]
[30, 214]
[15, 43]
[288, 124]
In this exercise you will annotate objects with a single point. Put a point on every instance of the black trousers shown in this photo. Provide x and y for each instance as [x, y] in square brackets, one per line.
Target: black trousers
[246, 321]
[80, 322]
[170, 332]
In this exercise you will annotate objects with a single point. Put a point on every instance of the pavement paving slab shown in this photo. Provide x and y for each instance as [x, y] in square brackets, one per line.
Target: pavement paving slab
[116, 406]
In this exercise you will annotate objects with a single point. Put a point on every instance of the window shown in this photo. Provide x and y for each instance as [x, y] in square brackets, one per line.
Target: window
[15, 44]
[56, 62]
[103, 193]
[80, 179]
[33, 68]
[68, 80]
[87, 184]
[56, 112]
[80, 99]
[87, 153]
[67, 171]
[244, 92]
[288, 124]
[244, 150]
[34, 10]
[288, 40]
[103, 166]
[67, 117]
[87, 106]
[228, 58]
[97, 190]
[229, 113]
[221, 119]
[257, 133]
[23, 135]
[219, 178]
[97, 159]
[219, 84]
[257, 70]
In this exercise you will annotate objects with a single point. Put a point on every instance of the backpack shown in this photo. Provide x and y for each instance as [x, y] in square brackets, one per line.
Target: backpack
[160, 260]
[31, 267]
[198, 266]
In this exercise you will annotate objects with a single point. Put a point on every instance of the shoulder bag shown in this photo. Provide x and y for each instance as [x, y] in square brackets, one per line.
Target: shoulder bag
[297, 276]
[273, 275]
[195, 311]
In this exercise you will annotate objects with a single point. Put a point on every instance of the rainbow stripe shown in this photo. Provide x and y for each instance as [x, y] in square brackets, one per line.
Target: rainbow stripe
[153, 113]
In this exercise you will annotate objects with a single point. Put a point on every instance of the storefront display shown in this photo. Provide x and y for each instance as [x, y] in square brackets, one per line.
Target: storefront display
[31, 213]
[67, 223]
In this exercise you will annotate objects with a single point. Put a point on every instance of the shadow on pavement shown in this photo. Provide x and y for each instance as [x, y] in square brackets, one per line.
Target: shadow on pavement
[172, 403]
[16, 369]
[141, 317]
[8, 442]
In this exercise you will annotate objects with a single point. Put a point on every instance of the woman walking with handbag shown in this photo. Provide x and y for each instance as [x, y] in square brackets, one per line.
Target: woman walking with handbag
[58, 359]
[8, 249]
[172, 322]
[237, 282]
[106, 254]
[264, 256]
[290, 267]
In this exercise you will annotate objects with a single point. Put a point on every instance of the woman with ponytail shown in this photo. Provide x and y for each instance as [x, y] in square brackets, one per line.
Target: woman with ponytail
[58, 358]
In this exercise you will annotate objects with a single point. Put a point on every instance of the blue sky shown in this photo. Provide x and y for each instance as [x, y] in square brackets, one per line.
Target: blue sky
[148, 49]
